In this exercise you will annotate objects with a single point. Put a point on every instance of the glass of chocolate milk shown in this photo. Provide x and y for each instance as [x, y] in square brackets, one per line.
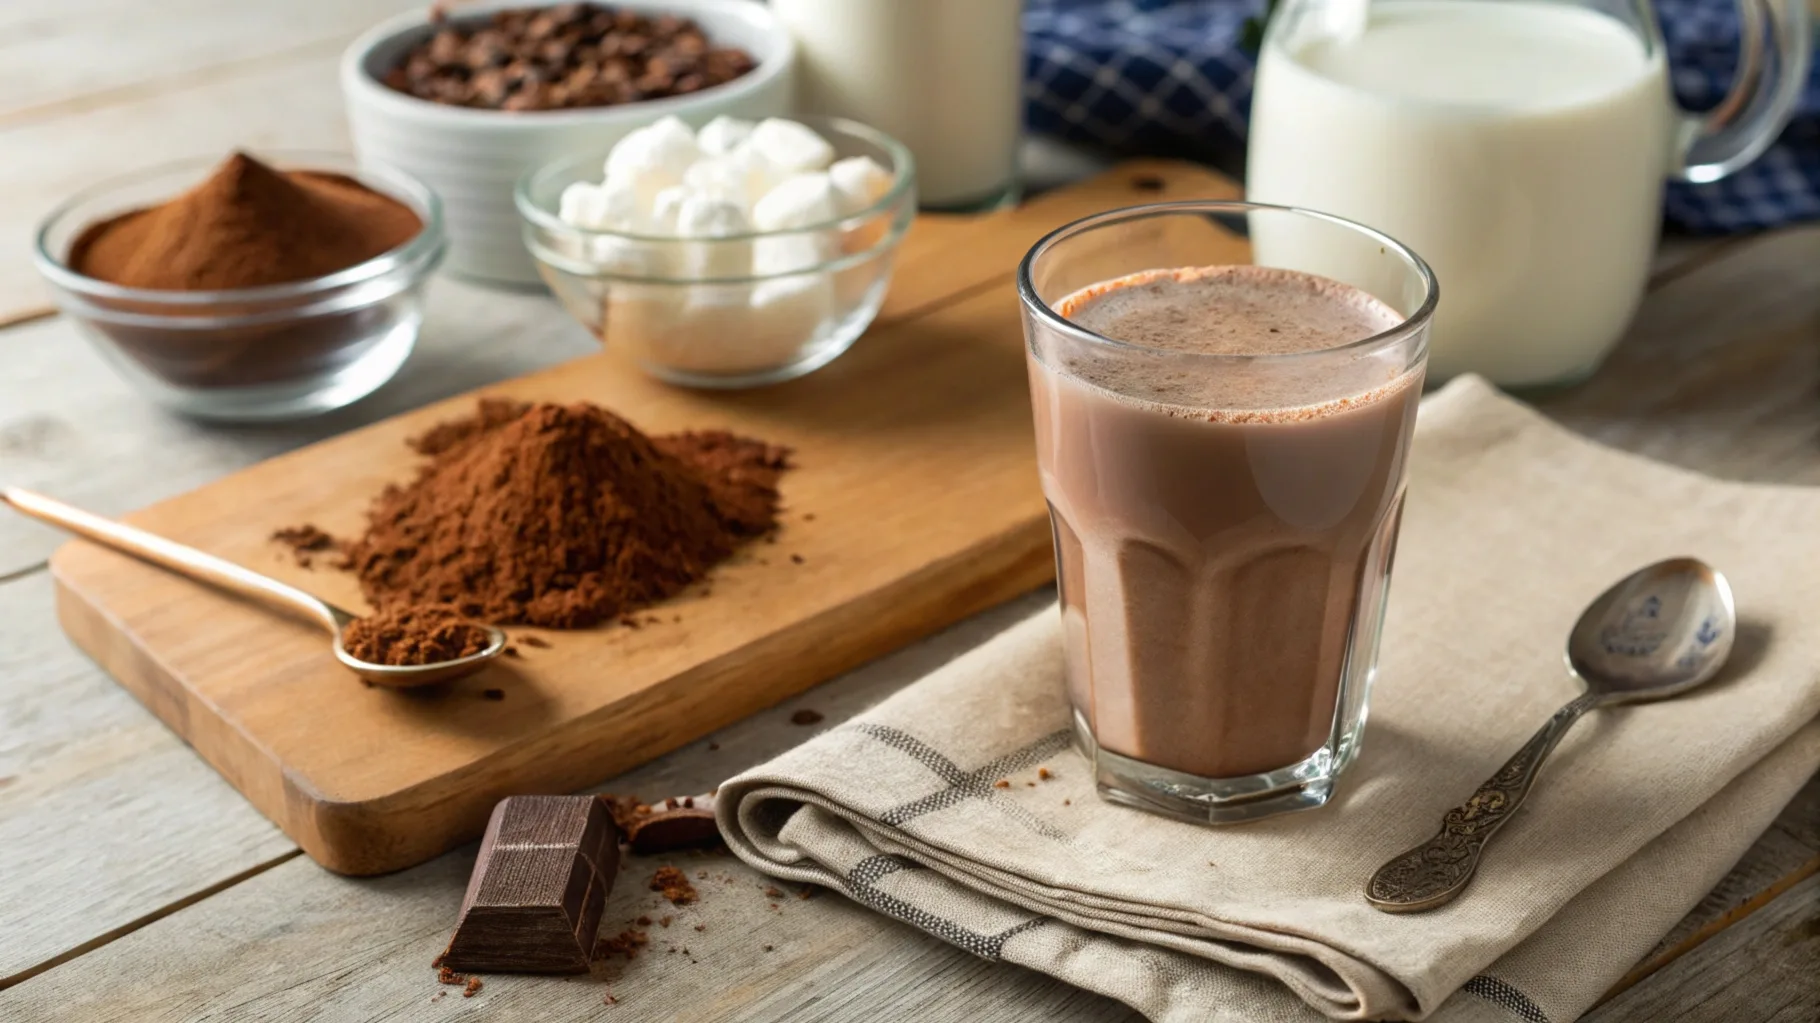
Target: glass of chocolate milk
[1222, 441]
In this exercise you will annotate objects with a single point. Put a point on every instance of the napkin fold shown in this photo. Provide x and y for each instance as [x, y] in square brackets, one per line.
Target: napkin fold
[959, 806]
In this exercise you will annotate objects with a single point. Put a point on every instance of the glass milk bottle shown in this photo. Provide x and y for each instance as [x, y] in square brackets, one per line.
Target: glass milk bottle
[1520, 145]
[945, 77]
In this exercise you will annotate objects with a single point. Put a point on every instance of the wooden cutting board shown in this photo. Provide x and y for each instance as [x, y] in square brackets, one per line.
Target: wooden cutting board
[915, 503]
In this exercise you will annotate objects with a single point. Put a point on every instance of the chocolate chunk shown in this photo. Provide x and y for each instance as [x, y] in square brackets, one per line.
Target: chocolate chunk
[534, 901]
[674, 824]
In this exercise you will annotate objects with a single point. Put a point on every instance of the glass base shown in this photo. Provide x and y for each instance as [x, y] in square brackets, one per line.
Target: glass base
[1301, 786]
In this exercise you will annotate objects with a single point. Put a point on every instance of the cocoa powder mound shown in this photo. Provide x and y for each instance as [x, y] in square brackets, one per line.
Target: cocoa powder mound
[247, 226]
[562, 516]
[414, 635]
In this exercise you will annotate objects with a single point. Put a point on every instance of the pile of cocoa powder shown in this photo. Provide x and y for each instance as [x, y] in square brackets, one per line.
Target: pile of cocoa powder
[562, 516]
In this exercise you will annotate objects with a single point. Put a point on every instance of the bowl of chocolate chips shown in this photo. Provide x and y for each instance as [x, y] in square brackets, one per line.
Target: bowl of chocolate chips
[472, 99]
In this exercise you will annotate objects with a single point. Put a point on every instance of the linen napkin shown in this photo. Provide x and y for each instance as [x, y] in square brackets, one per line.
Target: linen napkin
[1512, 525]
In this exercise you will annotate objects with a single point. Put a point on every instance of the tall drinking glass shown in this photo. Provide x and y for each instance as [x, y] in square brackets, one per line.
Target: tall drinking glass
[1222, 441]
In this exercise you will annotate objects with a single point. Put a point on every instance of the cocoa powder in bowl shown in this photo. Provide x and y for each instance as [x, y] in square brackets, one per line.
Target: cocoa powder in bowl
[562, 515]
[247, 226]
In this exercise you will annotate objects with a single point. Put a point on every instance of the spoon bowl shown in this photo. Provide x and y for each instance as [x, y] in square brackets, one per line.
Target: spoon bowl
[208, 568]
[1661, 631]
[413, 676]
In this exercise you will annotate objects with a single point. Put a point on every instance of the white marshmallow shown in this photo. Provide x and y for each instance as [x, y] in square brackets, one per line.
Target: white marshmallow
[859, 182]
[665, 144]
[799, 201]
[713, 218]
[583, 204]
[789, 254]
[792, 146]
[665, 208]
[787, 315]
[719, 136]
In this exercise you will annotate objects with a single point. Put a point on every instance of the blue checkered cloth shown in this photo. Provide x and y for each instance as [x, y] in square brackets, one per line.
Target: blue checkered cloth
[1170, 77]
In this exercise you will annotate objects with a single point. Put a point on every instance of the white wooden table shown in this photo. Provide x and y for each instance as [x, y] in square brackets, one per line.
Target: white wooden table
[136, 885]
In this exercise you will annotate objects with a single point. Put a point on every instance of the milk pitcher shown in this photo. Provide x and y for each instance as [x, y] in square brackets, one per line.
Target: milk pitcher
[1520, 145]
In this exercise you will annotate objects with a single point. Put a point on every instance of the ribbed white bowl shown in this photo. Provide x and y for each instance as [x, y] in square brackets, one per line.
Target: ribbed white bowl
[472, 158]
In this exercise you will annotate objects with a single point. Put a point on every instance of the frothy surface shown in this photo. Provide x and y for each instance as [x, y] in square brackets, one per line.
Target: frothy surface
[1232, 311]
[1229, 310]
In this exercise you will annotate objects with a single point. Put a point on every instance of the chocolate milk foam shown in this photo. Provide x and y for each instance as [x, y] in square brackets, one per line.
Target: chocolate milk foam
[1224, 533]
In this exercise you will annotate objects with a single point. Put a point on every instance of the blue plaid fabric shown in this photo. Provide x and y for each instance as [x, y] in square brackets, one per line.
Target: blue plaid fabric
[1170, 77]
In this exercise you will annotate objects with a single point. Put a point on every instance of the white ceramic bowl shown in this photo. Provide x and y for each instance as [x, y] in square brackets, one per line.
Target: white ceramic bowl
[473, 158]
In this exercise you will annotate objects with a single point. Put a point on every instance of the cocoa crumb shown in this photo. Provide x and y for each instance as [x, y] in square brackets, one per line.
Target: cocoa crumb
[608, 999]
[772, 892]
[664, 921]
[643, 921]
[713, 746]
[626, 943]
[808, 516]
[1067, 802]
[806, 893]
[796, 559]
[674, 886]
[1030, 784]
[767, 948]
[1044, 774]
[806, 717]
[473, 988]
[630, 621]
[445, 975]
[701, 927]
[307, 541]
[511, 651]
[1001, 784]
[535, 642]
[493, 694]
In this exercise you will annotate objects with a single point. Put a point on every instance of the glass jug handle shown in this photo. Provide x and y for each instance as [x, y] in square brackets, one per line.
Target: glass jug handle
[1771, 72]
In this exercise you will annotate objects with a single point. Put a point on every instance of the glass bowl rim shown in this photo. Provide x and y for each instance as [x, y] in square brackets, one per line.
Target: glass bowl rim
[418, 254]
[903, 180]
[1384, 339]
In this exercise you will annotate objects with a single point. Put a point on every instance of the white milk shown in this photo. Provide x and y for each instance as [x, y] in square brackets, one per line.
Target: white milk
[945, 77]
[1519, 147]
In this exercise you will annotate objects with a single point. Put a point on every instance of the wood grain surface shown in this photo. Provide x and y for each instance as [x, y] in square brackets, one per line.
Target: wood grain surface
[931, 402]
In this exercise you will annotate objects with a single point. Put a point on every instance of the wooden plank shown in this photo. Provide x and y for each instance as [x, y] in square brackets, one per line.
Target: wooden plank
[87, 54]
[1720, 373]
[106, 819]
[1765, 969]
[334, 948]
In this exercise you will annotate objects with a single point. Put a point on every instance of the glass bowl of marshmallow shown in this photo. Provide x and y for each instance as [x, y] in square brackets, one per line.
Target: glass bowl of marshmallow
[738, 255]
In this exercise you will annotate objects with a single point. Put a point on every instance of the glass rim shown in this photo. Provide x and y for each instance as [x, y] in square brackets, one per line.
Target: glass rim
[426, 245]
[903, 179]
[1411, 324]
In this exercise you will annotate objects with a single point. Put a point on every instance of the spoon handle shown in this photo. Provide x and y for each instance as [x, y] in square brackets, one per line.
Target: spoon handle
[1433, 873]
[167, 553]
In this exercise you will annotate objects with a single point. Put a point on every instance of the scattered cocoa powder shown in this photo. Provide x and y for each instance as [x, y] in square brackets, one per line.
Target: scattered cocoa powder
[806, 717]
[562, 516]
[247, 226]
[626, 943]
[306, 542]
[414, 635]
[674, 885]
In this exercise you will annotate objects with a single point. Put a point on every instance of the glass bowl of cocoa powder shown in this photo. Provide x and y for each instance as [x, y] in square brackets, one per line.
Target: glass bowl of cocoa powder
[251, 288]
